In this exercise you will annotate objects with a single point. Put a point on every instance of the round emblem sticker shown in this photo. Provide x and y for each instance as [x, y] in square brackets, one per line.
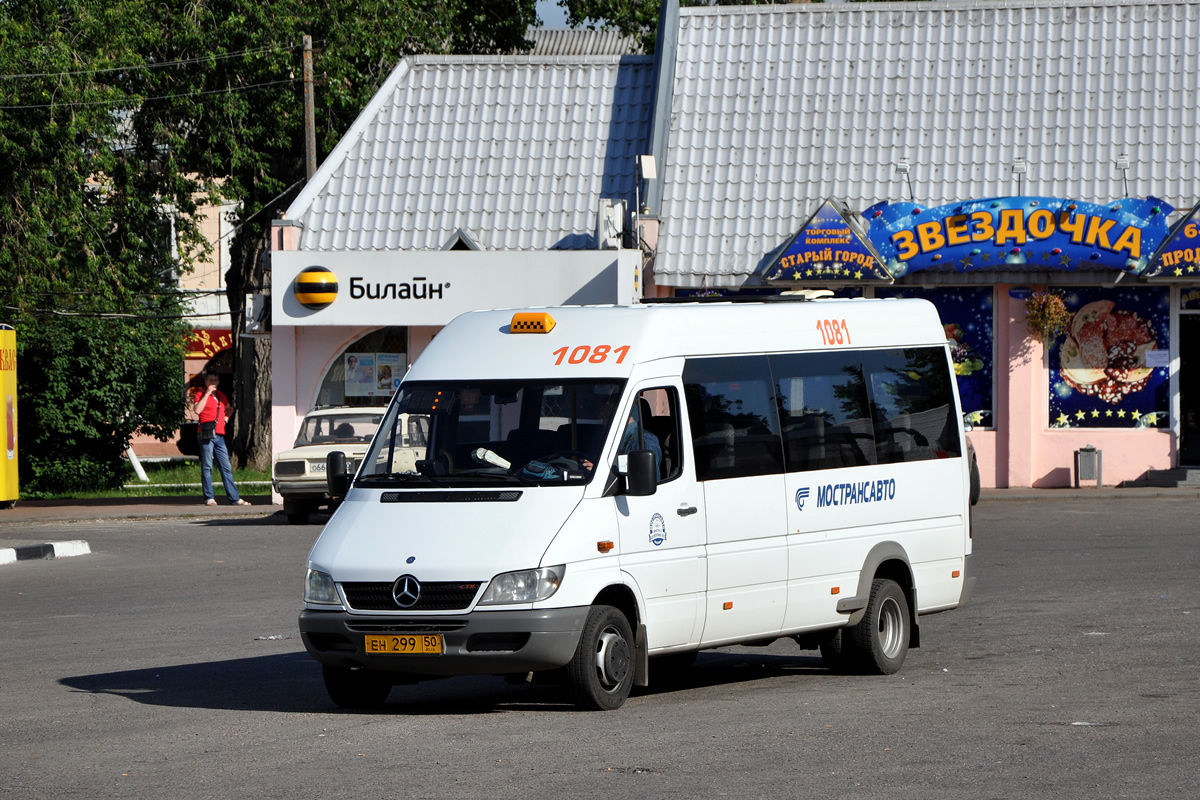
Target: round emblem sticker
[658, 530]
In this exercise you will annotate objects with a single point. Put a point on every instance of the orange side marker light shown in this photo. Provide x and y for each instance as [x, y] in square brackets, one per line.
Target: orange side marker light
[728, 605]
[604, 547]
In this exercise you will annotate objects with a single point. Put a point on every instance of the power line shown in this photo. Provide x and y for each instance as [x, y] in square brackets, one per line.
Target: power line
[135, 99]
[157, 65]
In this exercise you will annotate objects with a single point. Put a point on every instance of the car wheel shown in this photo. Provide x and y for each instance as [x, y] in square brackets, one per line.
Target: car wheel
[297, 511]
[878, 644]
[601, 672]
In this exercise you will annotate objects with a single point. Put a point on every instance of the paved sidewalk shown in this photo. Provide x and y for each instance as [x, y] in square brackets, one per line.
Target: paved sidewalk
[31, 512]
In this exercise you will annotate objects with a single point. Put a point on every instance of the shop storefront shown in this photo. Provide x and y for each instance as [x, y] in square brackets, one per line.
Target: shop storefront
[1113, 366]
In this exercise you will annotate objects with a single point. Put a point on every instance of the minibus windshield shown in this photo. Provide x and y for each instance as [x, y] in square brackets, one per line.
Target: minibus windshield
[480, 433]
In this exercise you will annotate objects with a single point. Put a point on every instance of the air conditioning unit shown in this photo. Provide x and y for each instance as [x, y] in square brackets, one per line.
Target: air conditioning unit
[610, 225]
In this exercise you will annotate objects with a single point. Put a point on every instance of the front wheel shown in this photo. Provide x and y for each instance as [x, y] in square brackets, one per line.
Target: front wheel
[356, 688]
[600, 673]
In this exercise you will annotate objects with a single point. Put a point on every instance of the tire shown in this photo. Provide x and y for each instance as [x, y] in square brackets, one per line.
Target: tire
[878, 644]
[600, 674]
[297, 511]
[356, 688]
[833, 652]
[975, 484]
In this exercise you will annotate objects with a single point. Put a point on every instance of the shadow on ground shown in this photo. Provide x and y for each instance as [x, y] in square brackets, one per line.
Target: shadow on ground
[291, 683]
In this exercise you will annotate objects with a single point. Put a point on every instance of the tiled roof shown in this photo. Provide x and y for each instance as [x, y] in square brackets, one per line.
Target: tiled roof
[516, 150]
[776, 108]
[580, 42]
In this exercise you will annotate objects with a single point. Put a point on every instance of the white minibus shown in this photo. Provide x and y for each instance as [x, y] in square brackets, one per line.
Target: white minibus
[605, 491]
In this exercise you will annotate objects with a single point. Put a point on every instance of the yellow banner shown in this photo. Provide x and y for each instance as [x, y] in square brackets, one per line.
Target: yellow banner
[9, 488]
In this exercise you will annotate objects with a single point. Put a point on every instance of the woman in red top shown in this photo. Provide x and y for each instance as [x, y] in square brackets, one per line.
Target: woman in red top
[211, 405]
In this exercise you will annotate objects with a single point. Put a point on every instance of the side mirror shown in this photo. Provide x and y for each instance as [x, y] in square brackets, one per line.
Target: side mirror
[641, 474]
[337, 477]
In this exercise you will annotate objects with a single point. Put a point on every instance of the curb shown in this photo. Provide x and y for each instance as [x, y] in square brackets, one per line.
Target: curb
[48, 550]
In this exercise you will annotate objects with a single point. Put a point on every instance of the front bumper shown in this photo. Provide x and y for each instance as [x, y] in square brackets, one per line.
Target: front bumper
[478, 643]
[298, 489]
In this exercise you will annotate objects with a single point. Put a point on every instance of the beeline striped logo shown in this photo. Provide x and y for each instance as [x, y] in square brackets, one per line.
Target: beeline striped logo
[315, 287]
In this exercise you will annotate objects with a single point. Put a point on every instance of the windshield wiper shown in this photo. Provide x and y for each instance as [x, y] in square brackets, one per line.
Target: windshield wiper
[402, 477]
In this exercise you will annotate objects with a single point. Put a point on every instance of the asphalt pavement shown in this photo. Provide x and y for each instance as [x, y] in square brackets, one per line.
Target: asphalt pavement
[19, 539]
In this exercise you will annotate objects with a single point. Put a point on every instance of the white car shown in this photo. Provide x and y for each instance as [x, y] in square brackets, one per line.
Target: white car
[299, 473]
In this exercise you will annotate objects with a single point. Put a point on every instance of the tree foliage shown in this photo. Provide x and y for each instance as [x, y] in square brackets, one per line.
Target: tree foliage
[117, 117]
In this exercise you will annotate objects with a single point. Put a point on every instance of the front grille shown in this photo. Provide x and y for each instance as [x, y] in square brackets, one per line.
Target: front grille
[289, 468]
[407, 627]
[504, 496]
[441, 596]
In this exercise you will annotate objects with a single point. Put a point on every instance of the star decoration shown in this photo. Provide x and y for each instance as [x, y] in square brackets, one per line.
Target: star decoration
[808, 272]
[1178, 271]
[966, 262]
[986, 257]
[1095, 413]
[796, 275]
[1062, 419]
[1136, 415]
[1046, 255]
[1079, 415]
[1108, 413]
[858, 274]
[1121, 413]
[1064, 260]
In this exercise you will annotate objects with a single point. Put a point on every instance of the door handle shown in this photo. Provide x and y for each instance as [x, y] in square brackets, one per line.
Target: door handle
[686, 511]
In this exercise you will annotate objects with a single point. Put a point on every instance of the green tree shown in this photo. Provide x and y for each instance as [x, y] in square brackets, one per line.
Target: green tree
[116, 120]
[86, 271]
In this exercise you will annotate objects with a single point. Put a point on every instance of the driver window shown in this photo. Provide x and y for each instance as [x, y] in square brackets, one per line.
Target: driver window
[653, 424]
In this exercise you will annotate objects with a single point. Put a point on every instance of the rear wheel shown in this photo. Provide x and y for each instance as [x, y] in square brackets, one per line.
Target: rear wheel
[356, 688]
[878, 644]
[601, 672]
[297, 511]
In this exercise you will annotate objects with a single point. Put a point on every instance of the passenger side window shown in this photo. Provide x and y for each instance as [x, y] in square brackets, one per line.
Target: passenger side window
[654, 426]
[912, 404]
[824, 411]
[733, 417]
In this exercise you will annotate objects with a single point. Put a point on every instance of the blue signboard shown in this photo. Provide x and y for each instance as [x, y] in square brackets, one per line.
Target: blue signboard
[830, 248]
[1016, 232]
[1110, 369]
[1179, 255]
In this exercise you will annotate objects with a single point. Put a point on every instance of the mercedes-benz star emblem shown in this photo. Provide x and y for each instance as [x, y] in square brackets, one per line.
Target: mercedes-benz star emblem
[406, 591]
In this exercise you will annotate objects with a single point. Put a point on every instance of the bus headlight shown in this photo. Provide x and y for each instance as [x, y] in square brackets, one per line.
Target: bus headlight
[319, 588]
[526, 586]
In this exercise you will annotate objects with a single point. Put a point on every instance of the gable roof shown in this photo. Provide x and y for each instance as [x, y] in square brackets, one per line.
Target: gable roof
[776, 108]
[516, 151]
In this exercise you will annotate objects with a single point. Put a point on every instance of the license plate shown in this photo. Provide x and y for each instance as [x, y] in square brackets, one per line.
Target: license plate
[316, 466]
[427, 643]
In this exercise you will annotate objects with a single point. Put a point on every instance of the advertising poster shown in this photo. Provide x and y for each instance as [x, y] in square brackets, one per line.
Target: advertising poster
[967, 315]
[389, 369]
[9, 489]
[1110, 369]
[360, 374]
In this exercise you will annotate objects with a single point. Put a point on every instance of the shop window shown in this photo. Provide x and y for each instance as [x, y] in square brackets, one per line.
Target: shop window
[733, 418]
[1111, 367]
[366, 373]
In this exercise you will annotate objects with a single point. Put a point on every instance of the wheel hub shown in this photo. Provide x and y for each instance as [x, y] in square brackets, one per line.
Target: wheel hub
[612, 658]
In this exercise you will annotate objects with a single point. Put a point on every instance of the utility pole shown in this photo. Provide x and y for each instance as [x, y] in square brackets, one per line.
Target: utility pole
[310, 127]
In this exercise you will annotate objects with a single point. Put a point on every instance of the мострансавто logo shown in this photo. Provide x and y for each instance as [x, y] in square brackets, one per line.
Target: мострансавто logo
[845, 494]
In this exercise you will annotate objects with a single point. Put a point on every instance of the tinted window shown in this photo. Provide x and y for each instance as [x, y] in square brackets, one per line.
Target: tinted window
[912, 404]
[733, 418]
[824, 411]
